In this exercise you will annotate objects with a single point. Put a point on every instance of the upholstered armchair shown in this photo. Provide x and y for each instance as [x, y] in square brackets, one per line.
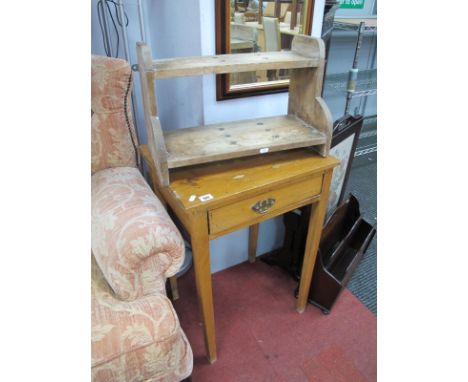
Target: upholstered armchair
[136, 335]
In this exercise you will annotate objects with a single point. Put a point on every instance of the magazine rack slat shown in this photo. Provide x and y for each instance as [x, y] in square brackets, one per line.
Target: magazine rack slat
[307, 124]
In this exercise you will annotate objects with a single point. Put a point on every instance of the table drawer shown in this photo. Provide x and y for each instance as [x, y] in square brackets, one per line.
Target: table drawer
[264, 205]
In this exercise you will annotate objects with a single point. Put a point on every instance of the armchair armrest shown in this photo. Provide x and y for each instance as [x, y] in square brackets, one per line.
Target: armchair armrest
[134, 242]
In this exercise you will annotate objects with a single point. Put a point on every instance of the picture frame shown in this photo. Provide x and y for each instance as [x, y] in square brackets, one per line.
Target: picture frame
[224, 90]
[346, 132]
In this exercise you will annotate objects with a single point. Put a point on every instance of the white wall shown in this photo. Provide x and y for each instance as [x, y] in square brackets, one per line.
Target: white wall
[191, 101]
[175, 32]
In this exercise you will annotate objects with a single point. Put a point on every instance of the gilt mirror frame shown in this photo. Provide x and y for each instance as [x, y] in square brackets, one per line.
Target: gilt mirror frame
[223, 86]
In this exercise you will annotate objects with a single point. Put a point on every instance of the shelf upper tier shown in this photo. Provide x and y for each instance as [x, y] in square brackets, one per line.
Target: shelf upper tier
[230, 63]
[222, 141]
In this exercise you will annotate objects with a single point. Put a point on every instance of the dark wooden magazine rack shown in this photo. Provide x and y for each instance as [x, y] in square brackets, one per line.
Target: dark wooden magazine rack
[345, 238]
[344, 241]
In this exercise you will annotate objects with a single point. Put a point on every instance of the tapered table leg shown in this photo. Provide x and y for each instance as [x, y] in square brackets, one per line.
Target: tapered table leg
[253, 238]
[313, 239]
[201, 261]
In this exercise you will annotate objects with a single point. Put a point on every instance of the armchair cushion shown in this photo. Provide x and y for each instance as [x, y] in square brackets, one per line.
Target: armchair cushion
[136, 341]
[135, 243]
[113, 138]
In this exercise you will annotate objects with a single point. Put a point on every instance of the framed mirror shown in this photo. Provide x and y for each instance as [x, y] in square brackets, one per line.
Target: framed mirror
[245, 26]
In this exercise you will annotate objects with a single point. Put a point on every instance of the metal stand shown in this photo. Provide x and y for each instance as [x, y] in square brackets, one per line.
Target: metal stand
[352, 84]
[353, 72]
[356, 86]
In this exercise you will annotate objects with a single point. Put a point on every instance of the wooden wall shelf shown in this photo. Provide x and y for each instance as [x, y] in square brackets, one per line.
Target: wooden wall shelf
[307, 124]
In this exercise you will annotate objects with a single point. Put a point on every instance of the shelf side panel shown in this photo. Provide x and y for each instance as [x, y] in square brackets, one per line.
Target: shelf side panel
[305, 89]
[153, 127]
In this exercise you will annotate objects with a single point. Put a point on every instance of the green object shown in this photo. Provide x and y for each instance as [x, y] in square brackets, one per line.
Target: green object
[352, 4]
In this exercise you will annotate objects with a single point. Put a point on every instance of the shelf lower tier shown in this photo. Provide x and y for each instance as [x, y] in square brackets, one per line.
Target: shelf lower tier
[209, 143]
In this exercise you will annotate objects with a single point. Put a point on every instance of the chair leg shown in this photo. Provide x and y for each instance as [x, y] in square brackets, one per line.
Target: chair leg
[174, 288]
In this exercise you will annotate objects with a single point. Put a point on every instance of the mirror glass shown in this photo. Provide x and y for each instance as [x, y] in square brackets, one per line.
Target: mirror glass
[245, 26]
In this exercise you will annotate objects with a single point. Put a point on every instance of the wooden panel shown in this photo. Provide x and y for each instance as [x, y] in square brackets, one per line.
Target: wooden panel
[231, 63]
[209, 143]
[324, 122]
[240, 213]
[229, 180]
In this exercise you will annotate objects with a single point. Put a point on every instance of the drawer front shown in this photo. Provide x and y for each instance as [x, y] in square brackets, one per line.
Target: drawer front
[263, 206]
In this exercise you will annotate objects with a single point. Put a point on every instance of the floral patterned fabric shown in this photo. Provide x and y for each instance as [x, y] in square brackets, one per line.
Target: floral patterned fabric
[113, 138]
[136, 335]
[134, 241]
[136, 341]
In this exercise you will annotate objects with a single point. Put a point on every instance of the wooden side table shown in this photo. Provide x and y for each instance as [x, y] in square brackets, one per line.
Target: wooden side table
[214, 199]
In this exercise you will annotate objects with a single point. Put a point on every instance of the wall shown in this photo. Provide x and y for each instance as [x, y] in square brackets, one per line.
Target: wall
[180, 99]
[191, 101]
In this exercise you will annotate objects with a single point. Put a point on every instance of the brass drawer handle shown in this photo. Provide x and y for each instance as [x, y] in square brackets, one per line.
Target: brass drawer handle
[263, 206]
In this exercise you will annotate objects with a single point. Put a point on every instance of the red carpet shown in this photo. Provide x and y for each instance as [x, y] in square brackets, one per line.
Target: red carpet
[261, 337]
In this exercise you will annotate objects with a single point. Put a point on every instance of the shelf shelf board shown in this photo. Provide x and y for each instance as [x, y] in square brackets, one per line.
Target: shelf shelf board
[230, 63]
[351, 23]
[229, 140]
[364, 93]
[366, 84]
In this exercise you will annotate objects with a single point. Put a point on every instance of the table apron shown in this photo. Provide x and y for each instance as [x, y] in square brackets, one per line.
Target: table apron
[260, 218]
[263, 205]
